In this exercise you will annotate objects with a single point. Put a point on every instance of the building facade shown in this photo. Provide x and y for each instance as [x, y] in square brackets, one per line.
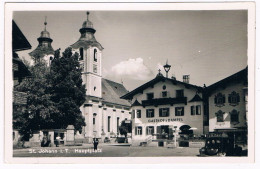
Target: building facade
[163, 107]
[103, 109]
[228, 104]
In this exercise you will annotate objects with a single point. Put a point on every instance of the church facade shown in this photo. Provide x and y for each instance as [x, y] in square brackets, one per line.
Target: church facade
[103, 109]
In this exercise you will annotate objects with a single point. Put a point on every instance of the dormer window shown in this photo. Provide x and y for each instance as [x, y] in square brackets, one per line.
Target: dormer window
[81, 53]
[95, 55]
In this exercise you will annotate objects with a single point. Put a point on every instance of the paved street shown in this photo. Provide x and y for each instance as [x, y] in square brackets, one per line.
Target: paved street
[105, 151]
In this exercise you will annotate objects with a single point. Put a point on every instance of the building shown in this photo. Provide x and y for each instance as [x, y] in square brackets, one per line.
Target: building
[228, 105]
[103, 109]
[164, 107]
[20, 71]
[44, 50]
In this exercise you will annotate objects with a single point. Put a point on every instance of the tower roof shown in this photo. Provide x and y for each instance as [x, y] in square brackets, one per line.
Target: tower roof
[44, 47]
[87, 38]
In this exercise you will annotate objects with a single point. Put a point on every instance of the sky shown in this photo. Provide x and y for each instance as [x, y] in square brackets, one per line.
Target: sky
[207, 45]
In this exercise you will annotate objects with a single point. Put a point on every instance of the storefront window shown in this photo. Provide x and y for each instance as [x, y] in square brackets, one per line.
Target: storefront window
[179, 111]
[149, 113]
[164, 112]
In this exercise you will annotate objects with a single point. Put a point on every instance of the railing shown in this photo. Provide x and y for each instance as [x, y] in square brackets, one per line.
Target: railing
[164, 101]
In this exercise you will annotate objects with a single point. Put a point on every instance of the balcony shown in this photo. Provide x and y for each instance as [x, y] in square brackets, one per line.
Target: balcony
[164, 101]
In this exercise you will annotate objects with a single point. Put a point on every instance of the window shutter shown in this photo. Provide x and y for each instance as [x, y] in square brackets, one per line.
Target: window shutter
[141, 130]
[224, 99]
[197, 110]
[238, 98]
[215, 100]
[135, 130]
[152, 130]
[160, 112]
[229, 99]
[147, 130]
[152, 113]
[146, 113]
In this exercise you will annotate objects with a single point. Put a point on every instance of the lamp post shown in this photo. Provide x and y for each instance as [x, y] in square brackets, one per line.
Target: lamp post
[167, 68]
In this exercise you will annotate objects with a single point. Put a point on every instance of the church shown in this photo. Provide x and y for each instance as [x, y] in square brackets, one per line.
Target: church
[103, 109]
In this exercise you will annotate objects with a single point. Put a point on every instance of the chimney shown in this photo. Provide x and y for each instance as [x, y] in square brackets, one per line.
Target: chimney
[186, 78]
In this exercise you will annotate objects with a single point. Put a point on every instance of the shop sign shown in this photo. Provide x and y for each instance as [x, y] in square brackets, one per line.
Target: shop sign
[164, 120]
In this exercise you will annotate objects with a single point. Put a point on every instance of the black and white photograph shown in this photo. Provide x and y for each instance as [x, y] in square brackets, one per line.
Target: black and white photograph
[130, 83]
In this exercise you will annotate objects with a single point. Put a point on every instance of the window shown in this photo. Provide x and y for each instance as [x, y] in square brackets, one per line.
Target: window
[149, 130]
[164, 112]
[219, 99]
[198, 110]
[234, 116]
[138, 113]
[150, 96]
[108, 123]
[95, 68]
[95, 55]
[94, 121]
[164, 94]
[149, 113]
[192, 110]
[138, 130]
[220, 116]
[81, 53]
[233, 98]
[179, 93]
[179, 111]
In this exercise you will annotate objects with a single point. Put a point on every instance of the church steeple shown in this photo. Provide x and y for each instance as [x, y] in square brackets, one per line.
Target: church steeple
[44, 48]
[87, 37]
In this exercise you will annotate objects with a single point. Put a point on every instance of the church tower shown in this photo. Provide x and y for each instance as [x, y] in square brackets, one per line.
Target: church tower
[44, 50]
[90, 58]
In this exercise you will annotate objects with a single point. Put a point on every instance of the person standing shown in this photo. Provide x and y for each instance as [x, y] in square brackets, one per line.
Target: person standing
[95, 142]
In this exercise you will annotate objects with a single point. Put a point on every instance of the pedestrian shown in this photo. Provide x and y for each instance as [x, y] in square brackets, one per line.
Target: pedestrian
[95, 142]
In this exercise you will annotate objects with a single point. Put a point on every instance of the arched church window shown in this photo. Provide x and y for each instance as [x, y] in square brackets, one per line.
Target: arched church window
[81, 52]
[95, 55]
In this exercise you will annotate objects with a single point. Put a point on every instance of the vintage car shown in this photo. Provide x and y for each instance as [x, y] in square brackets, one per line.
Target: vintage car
[220, 144]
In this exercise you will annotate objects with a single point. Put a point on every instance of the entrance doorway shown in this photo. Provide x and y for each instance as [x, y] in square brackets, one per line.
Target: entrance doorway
[163, 132]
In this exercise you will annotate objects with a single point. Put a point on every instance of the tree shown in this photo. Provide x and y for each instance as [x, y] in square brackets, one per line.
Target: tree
[37, 114]
[55, 95]
[66, 89]
[125, 128]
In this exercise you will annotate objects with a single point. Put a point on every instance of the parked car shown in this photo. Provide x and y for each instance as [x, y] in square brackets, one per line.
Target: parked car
[221, 145]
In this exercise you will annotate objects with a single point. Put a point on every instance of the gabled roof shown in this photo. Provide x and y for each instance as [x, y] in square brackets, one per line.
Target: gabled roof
[111, 92]
[240, 76]
[196, 98]
[136, 103]
[19, 41]
[153, 82]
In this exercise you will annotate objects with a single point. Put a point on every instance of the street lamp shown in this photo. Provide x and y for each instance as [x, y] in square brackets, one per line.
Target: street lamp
[167, 68]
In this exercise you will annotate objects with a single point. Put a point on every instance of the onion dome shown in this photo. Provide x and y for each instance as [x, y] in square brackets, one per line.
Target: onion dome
[44, 47]
[87, 38]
